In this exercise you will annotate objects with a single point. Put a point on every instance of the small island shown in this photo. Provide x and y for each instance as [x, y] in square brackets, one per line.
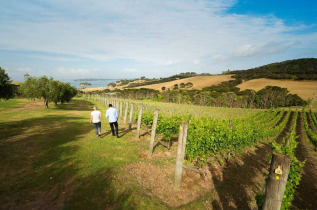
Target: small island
[85, 84]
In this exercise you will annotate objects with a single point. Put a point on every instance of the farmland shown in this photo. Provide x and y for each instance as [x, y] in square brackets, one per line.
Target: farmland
[52, 159]
[304, 89]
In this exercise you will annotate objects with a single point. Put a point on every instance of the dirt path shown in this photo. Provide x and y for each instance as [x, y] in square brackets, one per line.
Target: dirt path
[306, 193]
[240, 181]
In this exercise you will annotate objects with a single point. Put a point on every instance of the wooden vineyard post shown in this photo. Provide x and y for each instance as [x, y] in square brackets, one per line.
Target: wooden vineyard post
[139, 121]
[182, 137]
[120, 111]
[126, 112]
[131, 117]
[278, 174]
[153, 131]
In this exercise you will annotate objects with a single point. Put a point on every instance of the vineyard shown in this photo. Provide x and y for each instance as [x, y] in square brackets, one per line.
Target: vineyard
[222, 134]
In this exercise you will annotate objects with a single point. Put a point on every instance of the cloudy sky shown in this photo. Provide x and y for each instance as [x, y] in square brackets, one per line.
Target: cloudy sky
[69, 39]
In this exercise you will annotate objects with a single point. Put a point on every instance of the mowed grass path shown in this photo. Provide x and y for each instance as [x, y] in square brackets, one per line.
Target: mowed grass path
[52, 159]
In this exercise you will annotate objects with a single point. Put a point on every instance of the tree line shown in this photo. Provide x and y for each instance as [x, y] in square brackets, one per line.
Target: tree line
[48, 89]
[270, 96]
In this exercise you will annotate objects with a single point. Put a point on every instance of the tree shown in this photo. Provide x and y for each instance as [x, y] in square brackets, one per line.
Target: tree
[6, 88]
[189, 84]
[182, 85]
[47, 89]
[163, 88]
[175, 87]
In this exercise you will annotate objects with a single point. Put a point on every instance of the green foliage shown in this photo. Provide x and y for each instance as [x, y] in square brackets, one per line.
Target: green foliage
[168, 126]
[207, 137]
[47, 89]
[313, 117]
[311, 135]
[214, 136]
[6, 89]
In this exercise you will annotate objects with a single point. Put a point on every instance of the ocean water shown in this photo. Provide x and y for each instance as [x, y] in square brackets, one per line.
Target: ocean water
[94, 83]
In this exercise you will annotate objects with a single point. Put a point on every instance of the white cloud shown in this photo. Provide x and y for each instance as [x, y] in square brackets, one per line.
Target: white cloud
[130, 70]
[53, 58]
[77, 72]
[172, 62]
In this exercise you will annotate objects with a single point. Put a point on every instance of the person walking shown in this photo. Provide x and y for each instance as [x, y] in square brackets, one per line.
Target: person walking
[95, 118]
[112, 116]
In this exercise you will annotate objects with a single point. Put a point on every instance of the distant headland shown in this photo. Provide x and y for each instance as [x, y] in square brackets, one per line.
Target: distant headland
[91, 79]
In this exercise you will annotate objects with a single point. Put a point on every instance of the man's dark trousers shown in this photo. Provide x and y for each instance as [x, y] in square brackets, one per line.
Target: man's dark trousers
[112, 129]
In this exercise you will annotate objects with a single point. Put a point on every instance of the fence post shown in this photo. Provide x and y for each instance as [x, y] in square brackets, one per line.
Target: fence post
[153, 131]
[126, 112]
[182, 137]
[120, 112]
[279, 169]
[139, 121]
[131, 117]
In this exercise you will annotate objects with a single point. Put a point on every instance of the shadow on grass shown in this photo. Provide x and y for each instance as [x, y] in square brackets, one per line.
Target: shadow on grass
[40, 168]
[98, 192]
[76, 104]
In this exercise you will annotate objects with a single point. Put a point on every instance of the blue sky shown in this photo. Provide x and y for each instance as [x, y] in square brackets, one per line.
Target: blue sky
[154, 38]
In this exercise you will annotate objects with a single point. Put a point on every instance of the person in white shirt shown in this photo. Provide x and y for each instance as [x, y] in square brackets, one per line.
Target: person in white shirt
[112, 116]
[95, 118]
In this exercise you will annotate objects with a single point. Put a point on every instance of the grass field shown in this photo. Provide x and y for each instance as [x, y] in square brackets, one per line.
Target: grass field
[13, 103]
[199, 82]
[304, 89]
[52, 159]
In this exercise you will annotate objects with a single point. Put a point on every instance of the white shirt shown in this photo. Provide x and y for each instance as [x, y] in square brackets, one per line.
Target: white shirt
[95, 116]
[112, 115]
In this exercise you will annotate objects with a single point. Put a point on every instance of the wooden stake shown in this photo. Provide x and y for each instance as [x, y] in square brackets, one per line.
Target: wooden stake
[126, 112]
[139, 121]
[153, 131]
[120, 112]
[279, 169]
[182, 137]
[131, 117]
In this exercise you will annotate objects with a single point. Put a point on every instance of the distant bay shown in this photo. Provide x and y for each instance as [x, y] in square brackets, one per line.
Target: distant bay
[93, 82]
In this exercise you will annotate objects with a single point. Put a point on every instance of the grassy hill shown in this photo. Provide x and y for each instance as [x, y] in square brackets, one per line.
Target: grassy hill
[305, 89]
[298, 69]
[199, 82]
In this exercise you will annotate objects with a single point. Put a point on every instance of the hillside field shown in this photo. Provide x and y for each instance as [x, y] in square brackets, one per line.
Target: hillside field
[199, 82]
[304, 89]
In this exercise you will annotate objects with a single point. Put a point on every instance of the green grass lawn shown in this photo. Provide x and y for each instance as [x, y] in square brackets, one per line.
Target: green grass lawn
[52, 159]
[12, 103]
